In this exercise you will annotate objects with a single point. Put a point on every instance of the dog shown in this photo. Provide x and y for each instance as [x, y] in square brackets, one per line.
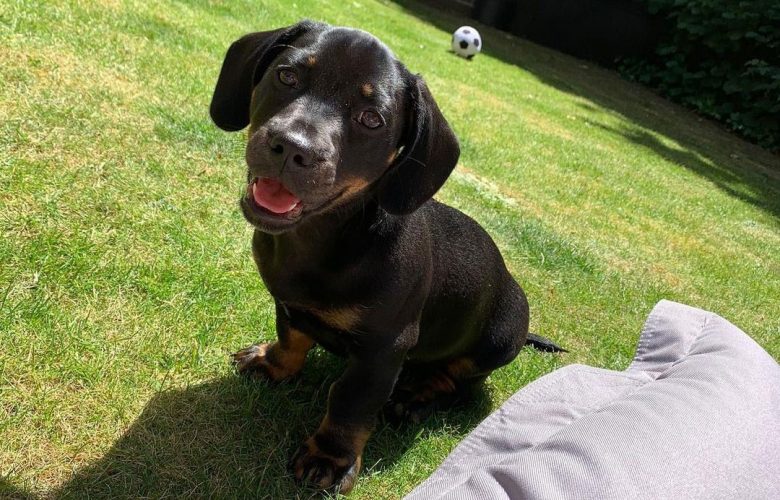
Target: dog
[346, 148]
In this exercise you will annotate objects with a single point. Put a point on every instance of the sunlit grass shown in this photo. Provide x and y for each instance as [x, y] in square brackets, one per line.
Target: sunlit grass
[125, 271]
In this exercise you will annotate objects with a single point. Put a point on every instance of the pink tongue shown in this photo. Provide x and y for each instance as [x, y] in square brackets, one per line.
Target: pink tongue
[273, 196]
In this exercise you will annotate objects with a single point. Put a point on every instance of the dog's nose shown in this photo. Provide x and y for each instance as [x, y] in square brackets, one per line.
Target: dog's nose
[292, 149]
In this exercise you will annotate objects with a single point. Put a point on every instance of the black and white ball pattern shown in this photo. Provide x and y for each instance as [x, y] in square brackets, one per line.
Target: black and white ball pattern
[466, 42]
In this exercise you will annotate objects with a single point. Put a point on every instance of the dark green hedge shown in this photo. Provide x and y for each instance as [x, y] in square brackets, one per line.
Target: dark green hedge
[721, 57]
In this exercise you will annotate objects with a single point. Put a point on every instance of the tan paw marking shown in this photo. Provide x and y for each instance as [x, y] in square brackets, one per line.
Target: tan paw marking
[265, 360]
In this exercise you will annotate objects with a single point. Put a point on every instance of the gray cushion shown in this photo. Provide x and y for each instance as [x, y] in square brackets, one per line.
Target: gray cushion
[696, 415]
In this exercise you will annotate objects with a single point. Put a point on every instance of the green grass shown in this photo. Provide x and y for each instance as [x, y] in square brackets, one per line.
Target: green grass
[125, 269]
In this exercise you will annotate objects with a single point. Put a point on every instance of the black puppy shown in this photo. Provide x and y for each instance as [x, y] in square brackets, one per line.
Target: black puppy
[345, 150]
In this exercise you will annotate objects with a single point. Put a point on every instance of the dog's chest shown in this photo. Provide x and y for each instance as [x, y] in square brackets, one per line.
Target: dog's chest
[319, 277]
[328, 296]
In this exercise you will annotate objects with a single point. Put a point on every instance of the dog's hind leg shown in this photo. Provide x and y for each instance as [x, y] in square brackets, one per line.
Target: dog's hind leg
[422, 390]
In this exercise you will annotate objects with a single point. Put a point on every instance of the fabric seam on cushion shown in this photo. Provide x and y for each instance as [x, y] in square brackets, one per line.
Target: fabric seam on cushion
[594, 411]
[485, 429]
[622, 396]
[687, 352]
[648, 328]
[532, 447]
[529, 391]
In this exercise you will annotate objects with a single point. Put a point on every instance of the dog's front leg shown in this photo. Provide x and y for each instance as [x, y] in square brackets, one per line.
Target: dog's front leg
[276, 361]
[332, 456]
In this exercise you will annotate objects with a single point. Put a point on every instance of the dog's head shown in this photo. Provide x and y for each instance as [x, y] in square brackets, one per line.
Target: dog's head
[332, 116]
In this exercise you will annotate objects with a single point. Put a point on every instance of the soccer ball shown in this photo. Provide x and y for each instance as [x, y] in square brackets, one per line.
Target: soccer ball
[466, 42]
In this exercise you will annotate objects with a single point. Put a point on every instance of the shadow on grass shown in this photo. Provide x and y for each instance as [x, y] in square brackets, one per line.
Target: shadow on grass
[232, 438]
[739, 168]
[11, 492]
[738, 183]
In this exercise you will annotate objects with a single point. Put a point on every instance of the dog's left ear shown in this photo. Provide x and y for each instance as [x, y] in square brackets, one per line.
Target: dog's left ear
[245, 63]
[430, 152]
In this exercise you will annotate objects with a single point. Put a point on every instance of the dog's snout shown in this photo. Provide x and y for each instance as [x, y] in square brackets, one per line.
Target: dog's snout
[292, 149]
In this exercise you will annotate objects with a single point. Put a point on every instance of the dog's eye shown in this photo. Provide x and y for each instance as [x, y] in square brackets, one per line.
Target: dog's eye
[288, 77]
[371, 119]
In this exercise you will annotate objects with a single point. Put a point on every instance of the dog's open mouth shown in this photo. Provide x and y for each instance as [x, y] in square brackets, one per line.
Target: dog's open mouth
[270, 206]
[271, 195]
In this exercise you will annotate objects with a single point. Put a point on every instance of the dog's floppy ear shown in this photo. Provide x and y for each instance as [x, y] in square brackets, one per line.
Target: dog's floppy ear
[430, 152]
[245, 63]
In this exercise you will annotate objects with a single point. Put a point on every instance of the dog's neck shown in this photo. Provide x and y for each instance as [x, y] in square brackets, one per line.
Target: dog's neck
[331, 235]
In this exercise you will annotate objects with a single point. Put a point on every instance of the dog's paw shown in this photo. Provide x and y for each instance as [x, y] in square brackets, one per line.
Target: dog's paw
[400, 411]
[315, 467]
[414, 401]
[253, 360]
[257, 360]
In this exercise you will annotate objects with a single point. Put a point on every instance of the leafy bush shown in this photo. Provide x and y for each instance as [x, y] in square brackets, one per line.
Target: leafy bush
[721, 57]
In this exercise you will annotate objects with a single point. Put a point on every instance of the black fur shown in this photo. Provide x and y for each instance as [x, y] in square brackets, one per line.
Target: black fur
[368, 265]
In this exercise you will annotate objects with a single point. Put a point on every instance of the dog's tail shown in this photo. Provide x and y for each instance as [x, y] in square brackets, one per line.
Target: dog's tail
[543, 343]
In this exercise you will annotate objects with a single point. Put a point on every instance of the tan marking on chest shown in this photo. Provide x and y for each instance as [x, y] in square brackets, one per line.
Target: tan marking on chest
[344, 318]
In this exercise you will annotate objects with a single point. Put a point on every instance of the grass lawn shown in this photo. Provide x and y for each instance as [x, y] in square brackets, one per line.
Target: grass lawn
[125, 270]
